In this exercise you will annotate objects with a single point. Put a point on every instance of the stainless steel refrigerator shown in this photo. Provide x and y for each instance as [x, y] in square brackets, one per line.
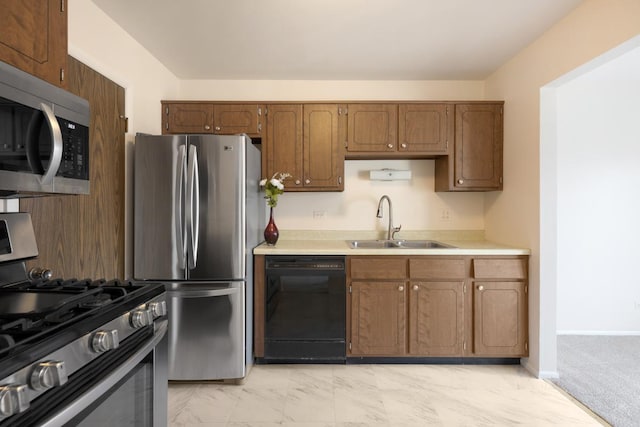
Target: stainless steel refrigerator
[198, 215]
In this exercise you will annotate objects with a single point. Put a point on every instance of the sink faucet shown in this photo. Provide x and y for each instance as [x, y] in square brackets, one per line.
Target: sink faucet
[391, 230]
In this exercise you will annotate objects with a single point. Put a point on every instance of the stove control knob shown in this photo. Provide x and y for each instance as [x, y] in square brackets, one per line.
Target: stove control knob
[105, 340]
[40, 273]
[13, 399]
[157, 308]
[140, 318]
[48, 374]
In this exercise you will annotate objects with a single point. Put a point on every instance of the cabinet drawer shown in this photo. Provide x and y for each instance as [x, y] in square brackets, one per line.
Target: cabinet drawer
[500, 268]
[436, 268]
[378, 268]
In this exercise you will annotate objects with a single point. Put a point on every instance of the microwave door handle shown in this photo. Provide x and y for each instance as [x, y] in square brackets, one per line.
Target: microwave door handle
[178, 208]
[56, 142]
[193, 205]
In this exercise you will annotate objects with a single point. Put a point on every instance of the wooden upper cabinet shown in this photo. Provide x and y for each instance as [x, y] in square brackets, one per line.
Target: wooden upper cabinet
[476, 163]
[303, 141]
[34, 37]
[322, 150]
[372, 128]
[424, 128]
[282, 146]
[207, 117]
[187, 117]
[230, 119]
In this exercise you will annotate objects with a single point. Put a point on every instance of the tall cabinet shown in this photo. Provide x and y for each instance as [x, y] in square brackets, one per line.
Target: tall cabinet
[34, 37]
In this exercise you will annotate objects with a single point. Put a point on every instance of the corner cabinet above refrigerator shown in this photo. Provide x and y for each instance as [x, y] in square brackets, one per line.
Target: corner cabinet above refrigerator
[198, 215]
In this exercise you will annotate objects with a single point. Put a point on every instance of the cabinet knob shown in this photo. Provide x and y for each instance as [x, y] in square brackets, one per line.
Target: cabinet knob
[481, 288]
[401, 288]
[416, 287]
[389, 145]
[297, 182]
[403, 145]
[207, 127]
[218, 128]
[307, 181]
[461, 181]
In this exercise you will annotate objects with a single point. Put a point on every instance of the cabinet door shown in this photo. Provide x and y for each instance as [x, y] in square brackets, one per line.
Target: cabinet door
[230, 119]
[423, 128]
[436, 318]
[323, 156]
[378, 318]
[372, 128]
[500, 319]
[187, 117]
[478, 146]
[34, 37]
[282, 148]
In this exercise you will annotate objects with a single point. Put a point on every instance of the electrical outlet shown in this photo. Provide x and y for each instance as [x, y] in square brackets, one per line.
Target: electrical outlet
[445, 216]
[319, 215]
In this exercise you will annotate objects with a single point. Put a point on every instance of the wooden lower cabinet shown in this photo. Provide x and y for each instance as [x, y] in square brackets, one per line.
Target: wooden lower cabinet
[436, 318]
[432, 306]
[500, 318]
[378, 311]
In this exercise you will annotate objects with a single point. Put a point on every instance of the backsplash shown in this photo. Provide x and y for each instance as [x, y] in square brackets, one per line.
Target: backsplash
[416, 206]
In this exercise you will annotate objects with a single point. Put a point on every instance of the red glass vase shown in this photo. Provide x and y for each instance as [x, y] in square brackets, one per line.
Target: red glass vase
[271, 233]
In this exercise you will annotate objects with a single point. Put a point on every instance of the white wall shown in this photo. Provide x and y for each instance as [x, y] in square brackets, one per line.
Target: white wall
[598, 204]
[514, 216]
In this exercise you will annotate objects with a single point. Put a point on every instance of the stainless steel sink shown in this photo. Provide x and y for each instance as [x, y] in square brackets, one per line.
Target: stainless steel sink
[397, 244]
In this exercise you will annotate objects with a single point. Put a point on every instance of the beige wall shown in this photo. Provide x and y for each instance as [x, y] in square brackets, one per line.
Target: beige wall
[513, 216]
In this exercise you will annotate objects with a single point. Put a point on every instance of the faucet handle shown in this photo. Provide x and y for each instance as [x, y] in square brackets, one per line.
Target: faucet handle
[395, 230]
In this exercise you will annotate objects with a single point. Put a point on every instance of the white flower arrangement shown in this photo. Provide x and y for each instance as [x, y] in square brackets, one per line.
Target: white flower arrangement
[274, 187]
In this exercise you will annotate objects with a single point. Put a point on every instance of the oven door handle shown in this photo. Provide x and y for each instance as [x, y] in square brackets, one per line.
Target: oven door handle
[88, 398]
[202, 293]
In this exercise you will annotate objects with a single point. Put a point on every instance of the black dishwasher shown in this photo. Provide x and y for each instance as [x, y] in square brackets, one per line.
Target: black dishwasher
[305, 309]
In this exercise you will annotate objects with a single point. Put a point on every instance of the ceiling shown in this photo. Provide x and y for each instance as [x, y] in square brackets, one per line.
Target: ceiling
[335, 39]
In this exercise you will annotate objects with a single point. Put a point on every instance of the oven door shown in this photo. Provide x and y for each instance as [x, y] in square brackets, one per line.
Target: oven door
[134, 393]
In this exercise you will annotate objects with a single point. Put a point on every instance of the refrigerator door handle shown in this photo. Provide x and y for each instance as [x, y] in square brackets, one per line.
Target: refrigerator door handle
[193, 205]
[178, 208]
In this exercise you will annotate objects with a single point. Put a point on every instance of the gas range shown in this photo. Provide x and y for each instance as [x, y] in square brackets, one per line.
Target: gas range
[63, 339]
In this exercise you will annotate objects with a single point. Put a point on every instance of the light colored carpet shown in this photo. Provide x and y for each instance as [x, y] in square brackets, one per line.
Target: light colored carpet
[602, 372]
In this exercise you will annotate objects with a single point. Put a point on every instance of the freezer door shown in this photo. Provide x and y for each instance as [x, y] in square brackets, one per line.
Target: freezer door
[159, 193]
[219, 219]
[206, 331]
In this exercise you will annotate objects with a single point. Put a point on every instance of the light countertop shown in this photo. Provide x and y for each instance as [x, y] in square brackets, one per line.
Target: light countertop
[336, 243]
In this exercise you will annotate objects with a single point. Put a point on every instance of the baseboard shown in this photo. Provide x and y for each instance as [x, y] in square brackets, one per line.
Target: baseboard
[614, 333]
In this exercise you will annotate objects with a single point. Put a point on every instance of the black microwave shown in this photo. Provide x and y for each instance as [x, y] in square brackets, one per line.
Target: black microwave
[44, 137]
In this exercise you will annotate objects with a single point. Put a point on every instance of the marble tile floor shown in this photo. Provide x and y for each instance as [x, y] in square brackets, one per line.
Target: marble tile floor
[376, 396]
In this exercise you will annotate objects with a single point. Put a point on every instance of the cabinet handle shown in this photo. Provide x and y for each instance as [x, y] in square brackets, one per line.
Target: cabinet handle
[218, 128]
[481, 288]
[389, 145]
[416, 287]
[207, 127]
[307, 181]
[297, 182]
[461, 181]
[403, 145]
[401, 288]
